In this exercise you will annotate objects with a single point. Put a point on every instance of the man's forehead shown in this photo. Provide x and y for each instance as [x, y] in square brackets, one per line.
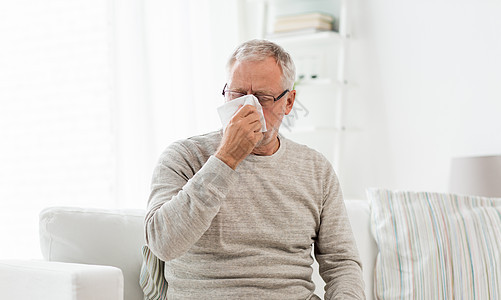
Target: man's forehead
[254, 86]
[257, 76]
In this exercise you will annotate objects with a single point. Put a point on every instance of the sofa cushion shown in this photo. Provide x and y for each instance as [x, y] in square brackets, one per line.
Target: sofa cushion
[98, 237]
[436, 246]
[152, 280]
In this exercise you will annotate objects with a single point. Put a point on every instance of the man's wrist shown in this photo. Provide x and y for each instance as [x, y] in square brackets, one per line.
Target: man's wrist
[232, 163]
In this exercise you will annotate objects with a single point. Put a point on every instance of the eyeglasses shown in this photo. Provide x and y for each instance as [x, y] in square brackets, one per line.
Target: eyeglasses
[264, 100]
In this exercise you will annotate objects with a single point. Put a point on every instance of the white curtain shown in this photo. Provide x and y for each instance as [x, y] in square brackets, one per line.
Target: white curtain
[92, 91]
[56, 103]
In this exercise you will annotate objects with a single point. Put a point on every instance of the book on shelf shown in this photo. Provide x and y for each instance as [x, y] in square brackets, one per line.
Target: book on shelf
[318, 21]
[306, 16]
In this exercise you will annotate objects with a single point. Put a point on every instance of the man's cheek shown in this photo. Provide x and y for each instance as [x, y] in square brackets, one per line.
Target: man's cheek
[272, 117]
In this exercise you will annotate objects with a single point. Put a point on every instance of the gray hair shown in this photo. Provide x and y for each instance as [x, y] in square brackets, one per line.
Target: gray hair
[257, 50]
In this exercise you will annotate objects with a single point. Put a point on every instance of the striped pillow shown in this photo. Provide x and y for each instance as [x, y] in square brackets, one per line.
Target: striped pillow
[152, 279]
[436, 246]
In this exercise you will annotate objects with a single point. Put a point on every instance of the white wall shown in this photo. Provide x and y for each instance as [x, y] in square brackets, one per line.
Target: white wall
[428, 76]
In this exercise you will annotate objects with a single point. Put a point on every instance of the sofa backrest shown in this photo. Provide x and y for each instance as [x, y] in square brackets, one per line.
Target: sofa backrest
[115, 238]
[98, 237]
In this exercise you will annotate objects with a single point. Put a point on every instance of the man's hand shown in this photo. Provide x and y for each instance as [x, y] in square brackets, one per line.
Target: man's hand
[240, 136]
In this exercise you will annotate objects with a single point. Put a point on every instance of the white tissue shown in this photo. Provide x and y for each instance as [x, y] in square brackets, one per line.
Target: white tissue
[227, 110]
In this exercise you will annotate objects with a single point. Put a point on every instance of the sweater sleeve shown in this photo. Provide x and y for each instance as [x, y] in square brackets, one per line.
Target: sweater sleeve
[335, 247]
[183, 201]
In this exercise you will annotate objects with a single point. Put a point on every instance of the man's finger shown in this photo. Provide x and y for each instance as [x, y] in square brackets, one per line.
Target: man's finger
[246, 110]
[256, 125]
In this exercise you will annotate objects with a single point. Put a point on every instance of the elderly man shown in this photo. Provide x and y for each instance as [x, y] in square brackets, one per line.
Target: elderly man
[234, 213]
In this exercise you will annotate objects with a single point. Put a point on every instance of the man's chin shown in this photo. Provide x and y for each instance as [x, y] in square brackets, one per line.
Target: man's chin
[267, 138]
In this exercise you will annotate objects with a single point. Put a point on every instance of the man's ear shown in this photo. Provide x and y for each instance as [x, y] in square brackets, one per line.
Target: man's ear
[290, 101]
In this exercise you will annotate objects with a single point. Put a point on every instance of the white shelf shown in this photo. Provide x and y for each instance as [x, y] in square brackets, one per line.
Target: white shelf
[305, 36]
[318, 119]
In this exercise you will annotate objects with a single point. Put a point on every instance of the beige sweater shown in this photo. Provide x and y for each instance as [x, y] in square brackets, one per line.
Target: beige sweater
[248, 233]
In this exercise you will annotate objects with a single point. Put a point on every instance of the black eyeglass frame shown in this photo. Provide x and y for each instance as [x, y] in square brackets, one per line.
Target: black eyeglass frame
[275, 99]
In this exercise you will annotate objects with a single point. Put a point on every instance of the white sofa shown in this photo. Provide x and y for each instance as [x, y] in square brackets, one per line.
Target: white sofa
[96, 254]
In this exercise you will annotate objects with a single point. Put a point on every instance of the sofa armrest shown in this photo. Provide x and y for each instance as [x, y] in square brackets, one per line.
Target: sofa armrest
[37, 279]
